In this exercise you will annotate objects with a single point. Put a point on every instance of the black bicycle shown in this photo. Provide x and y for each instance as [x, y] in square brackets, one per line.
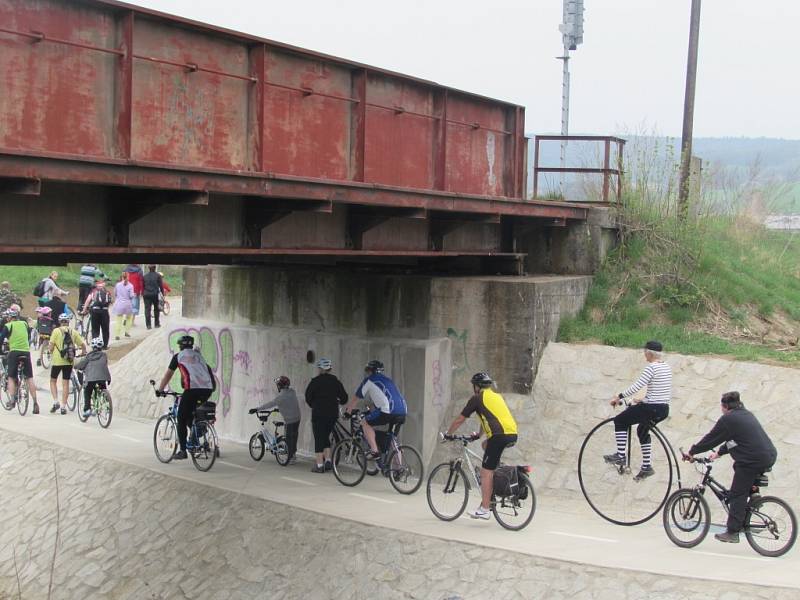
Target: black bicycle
[613, 491]
[770, 525]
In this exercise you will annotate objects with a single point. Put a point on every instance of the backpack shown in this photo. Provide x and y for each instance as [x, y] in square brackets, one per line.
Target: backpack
[68, 347]
[38, 290]
[101, 299]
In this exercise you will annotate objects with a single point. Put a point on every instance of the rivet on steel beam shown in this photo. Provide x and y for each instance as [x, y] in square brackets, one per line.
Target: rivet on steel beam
[307, 91]
[192, 67]
[399, 110]
[39, 36]
[476, 125]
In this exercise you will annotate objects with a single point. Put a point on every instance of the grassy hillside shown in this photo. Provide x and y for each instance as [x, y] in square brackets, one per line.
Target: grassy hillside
[714, 285]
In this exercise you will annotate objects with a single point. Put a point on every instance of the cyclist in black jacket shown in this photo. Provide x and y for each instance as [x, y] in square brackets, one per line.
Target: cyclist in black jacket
[324, 394]
[740, 434]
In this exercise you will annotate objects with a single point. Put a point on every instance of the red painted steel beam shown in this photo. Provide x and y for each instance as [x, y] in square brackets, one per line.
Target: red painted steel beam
[142, 175]
[124, 88]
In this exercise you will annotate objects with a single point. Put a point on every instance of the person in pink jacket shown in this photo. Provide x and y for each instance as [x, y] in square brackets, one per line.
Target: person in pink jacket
[123, 306]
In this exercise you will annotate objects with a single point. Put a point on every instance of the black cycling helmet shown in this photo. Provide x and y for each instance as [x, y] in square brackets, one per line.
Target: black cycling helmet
[375, 366]
[481, 380]
[185, 341]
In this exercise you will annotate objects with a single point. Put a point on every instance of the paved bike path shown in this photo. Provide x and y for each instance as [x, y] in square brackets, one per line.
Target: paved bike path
[575, 535]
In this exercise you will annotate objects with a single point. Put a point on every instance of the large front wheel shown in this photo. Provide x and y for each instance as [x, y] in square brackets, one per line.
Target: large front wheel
[165, 439]
[613, 491]
[447, 491]
[349, 462]
[405, 469]
[686, 518]
[771, 527]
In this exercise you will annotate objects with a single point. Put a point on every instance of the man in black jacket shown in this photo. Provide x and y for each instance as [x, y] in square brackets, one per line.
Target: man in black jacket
[153, 285]
[324, 394]
[740, 434]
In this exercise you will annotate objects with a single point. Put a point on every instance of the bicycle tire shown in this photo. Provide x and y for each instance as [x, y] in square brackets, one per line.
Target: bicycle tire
[686, 513]
[5, 399]
[603, 484]
[45, 356]
[165, 432]
[760, 526]
[257, 446]
[204, 456]
[503, 508]
[72, 397]
[104, 407]
[450, 482]
[405, 469]
[349, 462]
[282, 452]
[22, 397]
[166, 308]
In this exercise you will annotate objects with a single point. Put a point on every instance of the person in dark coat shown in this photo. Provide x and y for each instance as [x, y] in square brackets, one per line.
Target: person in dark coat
[324, 394]
[153, 286]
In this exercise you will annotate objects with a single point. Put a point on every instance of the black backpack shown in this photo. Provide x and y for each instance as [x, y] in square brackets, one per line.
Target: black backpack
[38, 290]
[68, 347]
[101, 299]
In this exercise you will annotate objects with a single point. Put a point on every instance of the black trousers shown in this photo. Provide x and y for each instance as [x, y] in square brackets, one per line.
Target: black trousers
[643, 414]
[190, 400]
[87, 392]
[100, 321]
[291, 432]
[151, 306]
[744, 476]
[322, 427]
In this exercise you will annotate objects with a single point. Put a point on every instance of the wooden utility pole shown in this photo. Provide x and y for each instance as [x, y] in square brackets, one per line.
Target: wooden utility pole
[688, 112]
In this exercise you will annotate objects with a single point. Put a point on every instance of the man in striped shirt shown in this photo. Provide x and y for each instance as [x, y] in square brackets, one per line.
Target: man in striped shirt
[657, 376]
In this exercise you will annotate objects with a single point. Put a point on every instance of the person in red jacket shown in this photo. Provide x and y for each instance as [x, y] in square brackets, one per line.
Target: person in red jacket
[136, 279]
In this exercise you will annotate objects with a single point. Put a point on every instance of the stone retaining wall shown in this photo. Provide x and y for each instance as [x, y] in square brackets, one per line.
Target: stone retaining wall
[121, 532]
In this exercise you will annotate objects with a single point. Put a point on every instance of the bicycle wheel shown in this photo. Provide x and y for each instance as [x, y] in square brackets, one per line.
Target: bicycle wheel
[257, 446]
[516, 511]
[74, 390]
[205, 454]
[166, 308]
[45, 356]
[770, 526]
[282, 452]
[612, 491]
[447, 491]
[686, 518]
[5, 399]
[165, 439]
[349, 462]
[105, 408]
[22, 397]
[405, 469]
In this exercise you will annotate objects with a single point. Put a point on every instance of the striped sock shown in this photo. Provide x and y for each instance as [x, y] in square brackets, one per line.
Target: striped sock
[622, 441]
[646, 455]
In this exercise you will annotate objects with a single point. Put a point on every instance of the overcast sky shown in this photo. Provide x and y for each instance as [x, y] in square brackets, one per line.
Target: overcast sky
[628, 75]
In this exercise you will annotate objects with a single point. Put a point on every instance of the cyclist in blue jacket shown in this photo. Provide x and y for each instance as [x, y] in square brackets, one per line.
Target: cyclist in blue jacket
[381, 392]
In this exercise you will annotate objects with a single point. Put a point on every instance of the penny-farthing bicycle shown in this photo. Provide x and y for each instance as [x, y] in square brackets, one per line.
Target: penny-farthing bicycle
[611, 490]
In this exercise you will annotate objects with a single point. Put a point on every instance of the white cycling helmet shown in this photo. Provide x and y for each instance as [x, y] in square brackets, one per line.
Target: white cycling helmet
[325, 364]
[97, 343]
[64, 318]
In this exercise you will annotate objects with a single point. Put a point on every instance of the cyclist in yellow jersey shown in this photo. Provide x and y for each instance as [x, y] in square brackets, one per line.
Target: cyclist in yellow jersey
[500, 429]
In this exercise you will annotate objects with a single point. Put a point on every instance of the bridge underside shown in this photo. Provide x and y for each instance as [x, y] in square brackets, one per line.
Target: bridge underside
[71, 209]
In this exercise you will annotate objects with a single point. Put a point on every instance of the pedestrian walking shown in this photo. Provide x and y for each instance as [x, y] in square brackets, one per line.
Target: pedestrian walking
[153, 286]
[123, 306]
[136, 278]
[97, 304]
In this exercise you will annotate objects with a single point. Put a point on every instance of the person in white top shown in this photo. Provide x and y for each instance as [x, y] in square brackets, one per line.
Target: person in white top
[657, 376]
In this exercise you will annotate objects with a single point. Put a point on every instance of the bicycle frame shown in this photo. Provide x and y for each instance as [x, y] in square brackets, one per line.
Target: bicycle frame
[270, 438]
[473, 471]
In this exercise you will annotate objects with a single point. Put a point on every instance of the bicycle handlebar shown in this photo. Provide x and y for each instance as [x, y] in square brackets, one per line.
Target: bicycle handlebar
[164, 393]
[465, 439]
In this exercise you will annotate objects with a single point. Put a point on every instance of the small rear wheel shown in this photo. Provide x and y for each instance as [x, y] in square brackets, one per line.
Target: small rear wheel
[770, 526]
[516, 511]
[257, 446]
[686, 518]
[349, 462]
[282, 452]
[105, 409]
[165, 439]
[447, 491]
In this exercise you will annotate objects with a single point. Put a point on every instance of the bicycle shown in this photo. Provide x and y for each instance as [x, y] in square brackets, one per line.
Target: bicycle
[768, 519]
[340, 433]
[263, 440]
[201, 444]
[22, 395]
[610, 489]
[101, 407]
[75, 391]
[448, 488]
[5, 400]
[163, 304]
[401, 463]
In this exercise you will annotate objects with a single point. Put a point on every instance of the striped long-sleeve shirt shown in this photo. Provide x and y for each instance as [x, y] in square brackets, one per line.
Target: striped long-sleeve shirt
[657, 376]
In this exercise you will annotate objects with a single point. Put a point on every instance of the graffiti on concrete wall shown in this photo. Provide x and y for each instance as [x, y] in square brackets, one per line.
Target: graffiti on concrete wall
[217, 350]
[460, 358]
[242, 358]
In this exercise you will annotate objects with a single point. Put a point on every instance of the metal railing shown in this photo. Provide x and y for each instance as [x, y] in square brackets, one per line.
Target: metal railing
[606, 171]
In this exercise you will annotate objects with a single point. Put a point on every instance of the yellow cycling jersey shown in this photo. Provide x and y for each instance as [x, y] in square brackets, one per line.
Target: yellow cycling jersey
[492, 412]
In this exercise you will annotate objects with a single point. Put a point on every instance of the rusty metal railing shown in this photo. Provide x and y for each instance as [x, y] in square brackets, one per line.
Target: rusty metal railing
[606, 171]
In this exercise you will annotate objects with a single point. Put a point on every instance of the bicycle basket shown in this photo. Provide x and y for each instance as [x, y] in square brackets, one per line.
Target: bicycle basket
[506, 482]
[207, 411]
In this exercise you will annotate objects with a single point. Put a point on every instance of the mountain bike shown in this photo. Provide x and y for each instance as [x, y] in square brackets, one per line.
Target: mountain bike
[201, 444]
[22, 395]
[340, 432]
[264, 440]
[513, 501]
[770, 525]
[611, 490]
[101, 407]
